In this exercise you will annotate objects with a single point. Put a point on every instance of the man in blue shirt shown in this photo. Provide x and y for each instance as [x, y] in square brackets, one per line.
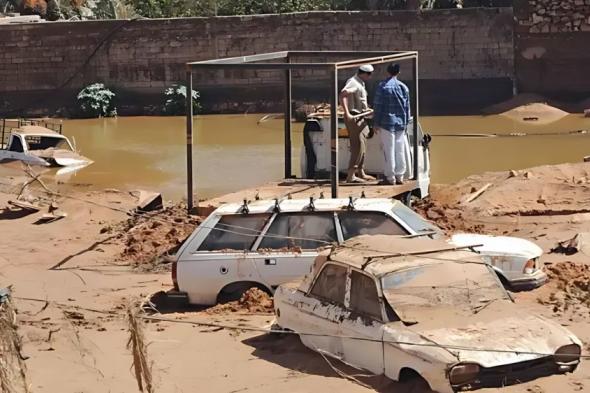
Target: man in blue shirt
[391, 117]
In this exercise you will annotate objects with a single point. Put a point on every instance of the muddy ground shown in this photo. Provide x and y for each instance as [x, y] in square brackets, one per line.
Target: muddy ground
[73, 279]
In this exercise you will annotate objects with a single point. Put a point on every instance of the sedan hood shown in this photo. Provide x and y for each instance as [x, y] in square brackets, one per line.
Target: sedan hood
[499, 328]
[498, 245]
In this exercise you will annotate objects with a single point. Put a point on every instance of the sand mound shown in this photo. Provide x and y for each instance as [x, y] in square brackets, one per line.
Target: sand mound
[254, 300]
[545, 190]
[540, 113]
[572, 288]
[151, 237]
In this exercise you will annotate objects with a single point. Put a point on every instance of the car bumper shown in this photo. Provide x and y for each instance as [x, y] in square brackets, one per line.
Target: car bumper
[530, 281]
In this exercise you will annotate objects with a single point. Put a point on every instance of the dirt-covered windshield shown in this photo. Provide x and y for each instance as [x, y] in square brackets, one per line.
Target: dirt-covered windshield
[461, 286]
[35, 142]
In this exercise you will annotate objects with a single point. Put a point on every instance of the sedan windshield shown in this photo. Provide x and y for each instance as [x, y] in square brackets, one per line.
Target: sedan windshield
[35, 142]
[464, 287]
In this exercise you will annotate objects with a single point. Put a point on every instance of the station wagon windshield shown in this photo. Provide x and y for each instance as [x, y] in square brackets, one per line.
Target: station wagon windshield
[413, 220]
[462, 287]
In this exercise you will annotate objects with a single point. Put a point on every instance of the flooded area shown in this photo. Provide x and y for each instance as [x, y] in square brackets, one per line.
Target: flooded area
[235, 151]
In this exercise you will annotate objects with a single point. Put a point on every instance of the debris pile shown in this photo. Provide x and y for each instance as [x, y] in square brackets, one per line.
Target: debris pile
[254, 300]
[579, 243]
[572, 288]
[149, 239]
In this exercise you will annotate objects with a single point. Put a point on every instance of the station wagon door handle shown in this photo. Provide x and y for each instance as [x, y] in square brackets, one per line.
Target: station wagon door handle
[269, 261]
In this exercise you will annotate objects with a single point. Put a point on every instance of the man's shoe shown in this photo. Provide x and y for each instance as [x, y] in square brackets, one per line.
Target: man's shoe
[354, 180]
[399, 180]
[386, 182]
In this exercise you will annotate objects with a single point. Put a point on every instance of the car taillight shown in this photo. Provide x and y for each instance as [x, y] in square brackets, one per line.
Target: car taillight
[174, 275]
[529, 267]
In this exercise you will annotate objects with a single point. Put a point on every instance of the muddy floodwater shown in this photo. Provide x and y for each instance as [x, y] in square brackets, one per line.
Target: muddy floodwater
[235, 151]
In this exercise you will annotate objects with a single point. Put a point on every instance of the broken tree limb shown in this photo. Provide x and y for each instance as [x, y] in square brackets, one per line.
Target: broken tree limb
[141, 365]
[477, 193]
[12, 363]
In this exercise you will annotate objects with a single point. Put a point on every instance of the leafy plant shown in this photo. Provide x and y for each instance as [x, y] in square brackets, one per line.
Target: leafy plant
[175, 103]
[97, 101]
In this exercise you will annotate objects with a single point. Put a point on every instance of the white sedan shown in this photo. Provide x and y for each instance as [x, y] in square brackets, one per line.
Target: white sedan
[422, 309]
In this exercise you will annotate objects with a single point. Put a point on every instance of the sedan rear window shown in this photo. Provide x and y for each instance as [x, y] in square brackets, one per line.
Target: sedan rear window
[307, 231]
[235, 232]
[358, 223]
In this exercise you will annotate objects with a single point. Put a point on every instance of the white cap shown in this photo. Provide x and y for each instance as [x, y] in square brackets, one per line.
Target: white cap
[366, 68]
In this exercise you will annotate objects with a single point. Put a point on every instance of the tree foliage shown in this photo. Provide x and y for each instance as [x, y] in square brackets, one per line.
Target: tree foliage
[175, 100]
[97, 101]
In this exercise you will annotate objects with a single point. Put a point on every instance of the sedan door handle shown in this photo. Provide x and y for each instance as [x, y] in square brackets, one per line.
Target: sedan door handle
[269, 261]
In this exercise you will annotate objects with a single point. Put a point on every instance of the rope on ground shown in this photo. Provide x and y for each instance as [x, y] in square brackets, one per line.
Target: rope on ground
[284, 331]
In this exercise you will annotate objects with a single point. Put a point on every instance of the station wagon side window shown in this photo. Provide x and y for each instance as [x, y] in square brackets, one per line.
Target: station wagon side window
[364, 299]
[307, 231]
[16, 145]
[356, 223]
[234, 232]
[330, 284]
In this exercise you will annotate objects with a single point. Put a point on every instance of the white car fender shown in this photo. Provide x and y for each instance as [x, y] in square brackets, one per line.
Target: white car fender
[430, 362]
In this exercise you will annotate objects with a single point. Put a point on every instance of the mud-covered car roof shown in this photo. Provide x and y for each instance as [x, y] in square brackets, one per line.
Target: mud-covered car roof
[382, 254]
[37, 131]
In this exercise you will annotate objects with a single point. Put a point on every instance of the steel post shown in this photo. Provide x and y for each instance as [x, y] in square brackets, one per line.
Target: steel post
[189, 141]
[334, 132]
[288, 116]
[415, 109]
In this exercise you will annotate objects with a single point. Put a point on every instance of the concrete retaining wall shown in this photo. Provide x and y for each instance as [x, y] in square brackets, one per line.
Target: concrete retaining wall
[466, 56]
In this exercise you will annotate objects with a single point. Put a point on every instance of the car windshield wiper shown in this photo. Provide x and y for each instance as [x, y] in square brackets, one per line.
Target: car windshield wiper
[421, 232]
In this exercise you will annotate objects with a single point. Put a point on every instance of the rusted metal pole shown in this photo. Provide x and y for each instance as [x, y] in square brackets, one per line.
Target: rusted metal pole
[288, 116]
[334, 132]
[189, 140]
[415, 109]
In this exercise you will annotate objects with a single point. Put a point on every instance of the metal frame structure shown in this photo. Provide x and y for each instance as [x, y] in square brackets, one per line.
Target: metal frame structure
[287, 61]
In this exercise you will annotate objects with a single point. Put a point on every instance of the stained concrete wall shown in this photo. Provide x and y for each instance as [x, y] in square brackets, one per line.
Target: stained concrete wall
[466, 56]
[552, 48]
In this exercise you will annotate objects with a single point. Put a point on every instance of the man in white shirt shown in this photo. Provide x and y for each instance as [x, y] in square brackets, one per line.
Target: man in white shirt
[353, 98]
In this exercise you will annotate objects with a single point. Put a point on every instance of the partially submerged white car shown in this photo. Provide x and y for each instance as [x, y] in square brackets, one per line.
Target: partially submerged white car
[266, 243]
[37, 145]
[418, 308]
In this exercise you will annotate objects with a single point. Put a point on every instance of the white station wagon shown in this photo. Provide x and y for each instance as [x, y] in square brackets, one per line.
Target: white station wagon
[268, 242]
[421, 309]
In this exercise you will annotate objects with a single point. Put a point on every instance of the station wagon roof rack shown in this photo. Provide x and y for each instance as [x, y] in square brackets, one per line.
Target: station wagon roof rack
[311, 205]
[277, 208]
[245, 209]
[350, 206]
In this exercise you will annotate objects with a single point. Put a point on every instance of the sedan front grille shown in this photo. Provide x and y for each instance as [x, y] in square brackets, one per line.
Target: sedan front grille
[510, 374]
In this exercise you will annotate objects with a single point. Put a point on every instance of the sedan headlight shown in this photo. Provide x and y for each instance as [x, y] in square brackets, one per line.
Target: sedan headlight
[463, 373]
[568, 354]
[530, 266]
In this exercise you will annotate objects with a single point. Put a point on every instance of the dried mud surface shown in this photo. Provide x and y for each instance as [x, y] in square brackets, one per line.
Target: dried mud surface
[254, 300]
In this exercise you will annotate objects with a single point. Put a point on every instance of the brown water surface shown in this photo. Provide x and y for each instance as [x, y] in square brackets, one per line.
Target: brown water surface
[234, 151]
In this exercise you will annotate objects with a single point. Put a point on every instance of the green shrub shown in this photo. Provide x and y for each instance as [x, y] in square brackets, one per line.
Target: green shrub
[97, 101]
[175, 103]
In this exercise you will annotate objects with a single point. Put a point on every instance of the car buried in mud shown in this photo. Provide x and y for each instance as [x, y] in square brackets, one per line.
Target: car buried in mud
[421, 309]
[268, 242]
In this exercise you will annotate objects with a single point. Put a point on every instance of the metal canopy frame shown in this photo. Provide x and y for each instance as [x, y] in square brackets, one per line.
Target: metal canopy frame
[287, 61]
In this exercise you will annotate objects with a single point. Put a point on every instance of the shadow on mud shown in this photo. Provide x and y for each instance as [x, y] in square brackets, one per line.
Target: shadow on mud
[288, 351]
